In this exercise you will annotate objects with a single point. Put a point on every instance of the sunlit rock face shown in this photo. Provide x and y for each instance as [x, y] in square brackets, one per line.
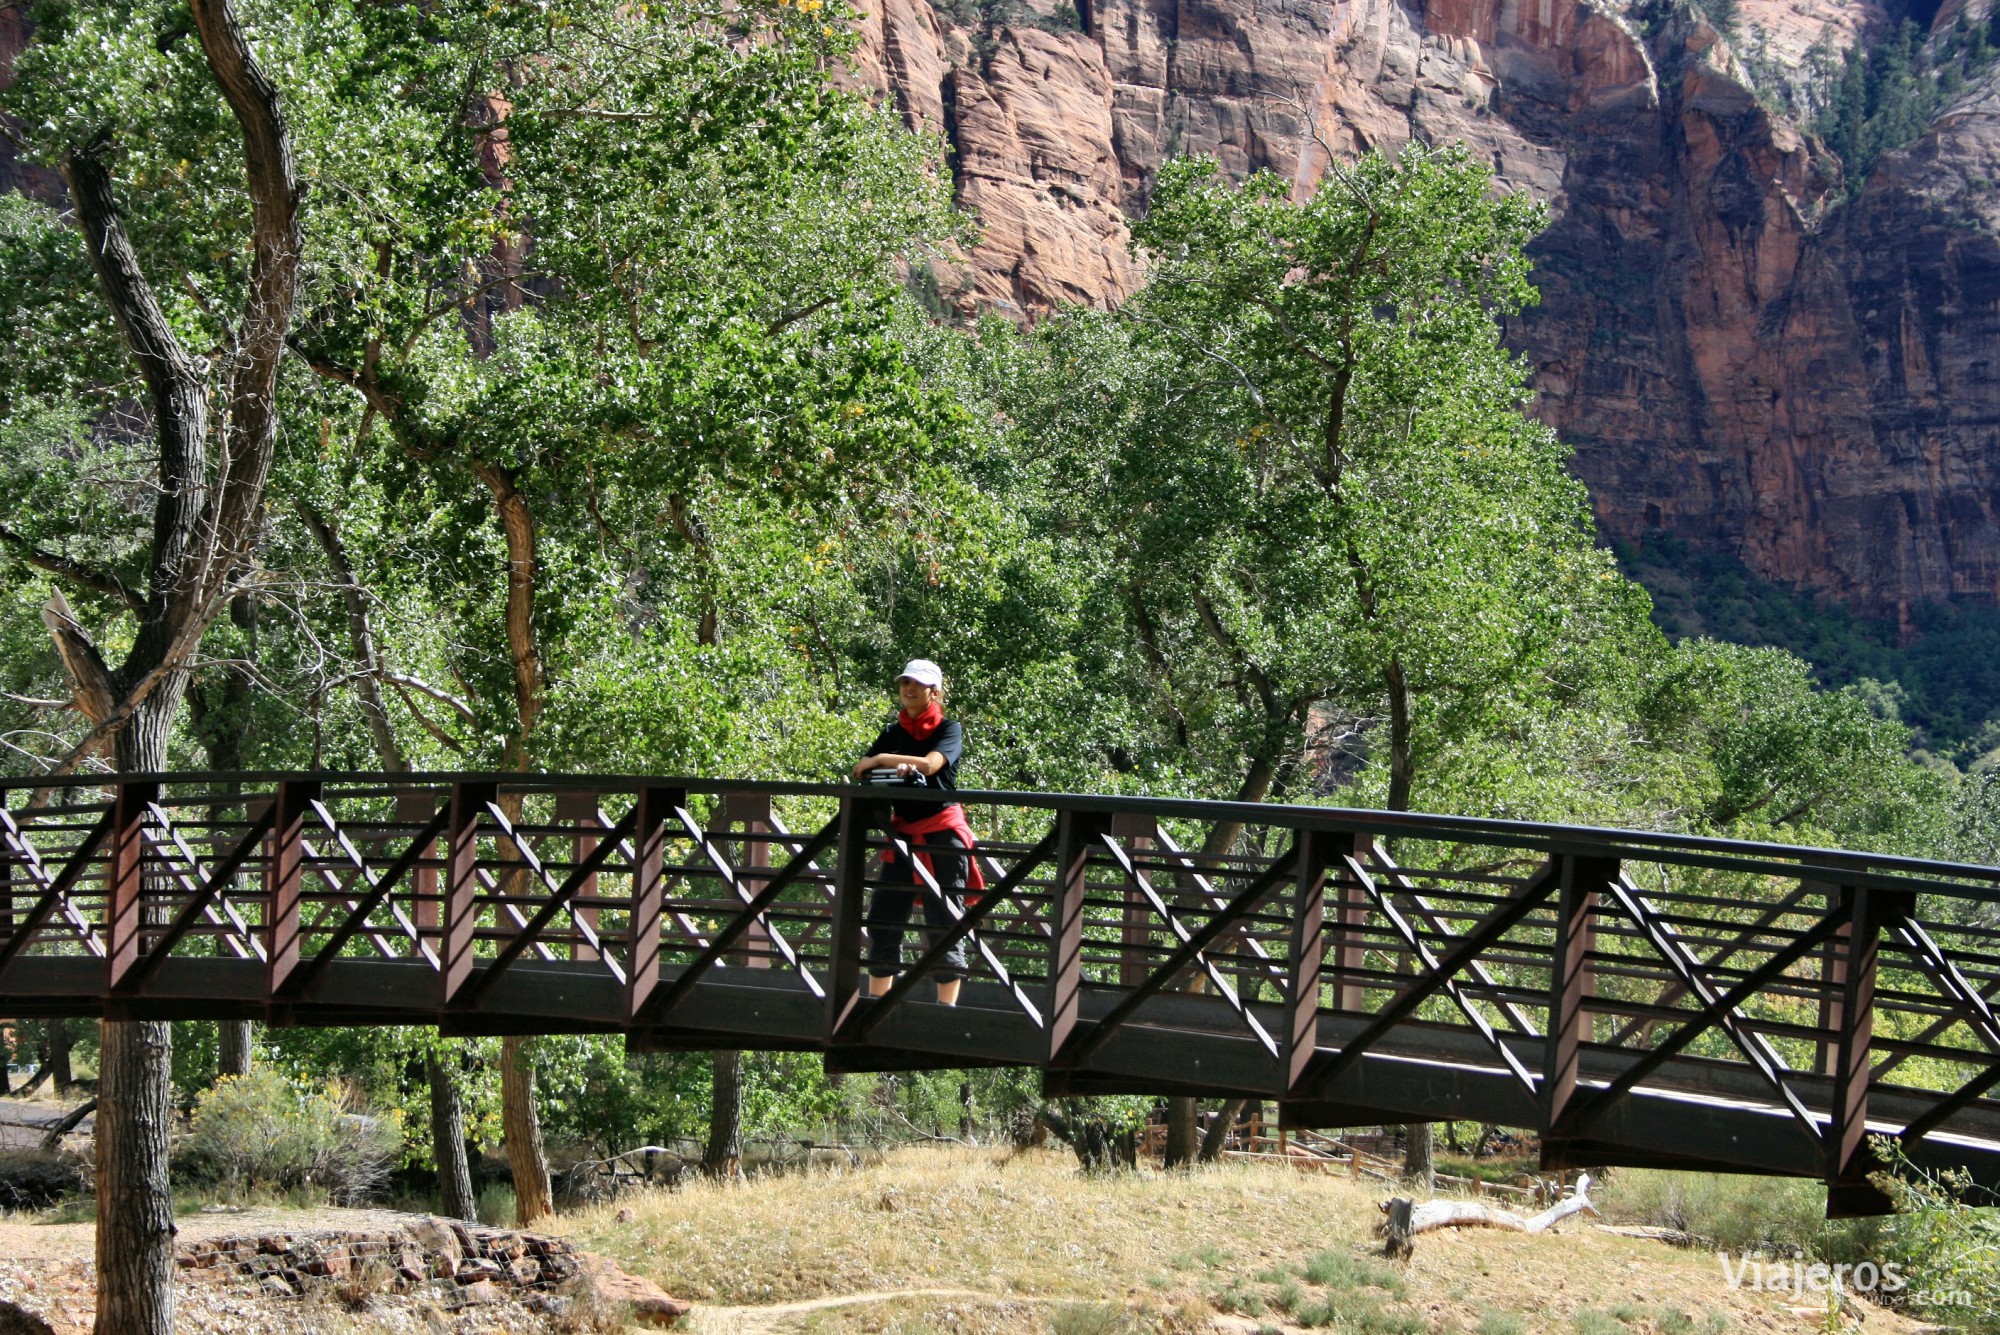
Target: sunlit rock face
[1740, 352]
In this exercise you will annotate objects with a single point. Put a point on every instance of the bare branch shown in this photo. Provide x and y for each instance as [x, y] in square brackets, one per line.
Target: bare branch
[71, 569]
[444, 738]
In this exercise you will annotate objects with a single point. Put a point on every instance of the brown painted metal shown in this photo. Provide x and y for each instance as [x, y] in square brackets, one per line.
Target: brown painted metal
[655, 807]
[1313, 857]
[1571, 985]
[515, 903]
[1325, 1075]
[283, 819]
[1077, 832]
[1848, 1158]
[861, 1024]
[745, 921]
[1350, 948]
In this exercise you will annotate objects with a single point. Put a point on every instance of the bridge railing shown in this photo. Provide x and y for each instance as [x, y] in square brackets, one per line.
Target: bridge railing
[1353, 965]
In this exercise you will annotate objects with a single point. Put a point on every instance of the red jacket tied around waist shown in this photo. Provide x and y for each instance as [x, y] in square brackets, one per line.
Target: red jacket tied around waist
[948, 818]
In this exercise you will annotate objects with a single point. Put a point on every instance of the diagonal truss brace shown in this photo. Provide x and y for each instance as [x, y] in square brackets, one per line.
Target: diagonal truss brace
[55, 890]
[1674, 991]
[1216, 899]
[203, 897]
[1393, 874]
[1977, 1015]
[1193, 944]
[1449, 986]
[684, 925]
[344, 890]
[356, 923]
[220, 909]
[1192, 948]
[729, 878]
[958, 916]
[1720, 1009]
[562, 897]
[1497, 924]
[661, 1004]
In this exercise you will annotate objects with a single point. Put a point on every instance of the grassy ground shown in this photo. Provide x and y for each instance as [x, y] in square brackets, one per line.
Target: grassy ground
[969, 1241]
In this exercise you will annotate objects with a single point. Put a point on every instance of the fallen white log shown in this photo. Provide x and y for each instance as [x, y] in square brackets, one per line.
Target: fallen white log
[1403, 1219]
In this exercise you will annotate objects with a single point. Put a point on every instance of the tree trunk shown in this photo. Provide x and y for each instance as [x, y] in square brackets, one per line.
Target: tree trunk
[1420, 1155]
[59, 1063]
[723, 1153]
[523, 1129]
[135, 1207]
[1180, 1148]
[1218, 1133]
[448, 1142]
[135, 1203]
[232, 1048]
[1402, 760]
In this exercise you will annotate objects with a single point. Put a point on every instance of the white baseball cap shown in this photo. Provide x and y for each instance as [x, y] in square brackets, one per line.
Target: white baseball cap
[922, 671]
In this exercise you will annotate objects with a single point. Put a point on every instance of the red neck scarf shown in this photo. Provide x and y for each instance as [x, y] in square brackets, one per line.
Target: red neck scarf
[923, 725]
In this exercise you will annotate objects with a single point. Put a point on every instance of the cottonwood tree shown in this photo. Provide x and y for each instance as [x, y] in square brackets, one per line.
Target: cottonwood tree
[1306, 461]
[657, 268]
[204, 342]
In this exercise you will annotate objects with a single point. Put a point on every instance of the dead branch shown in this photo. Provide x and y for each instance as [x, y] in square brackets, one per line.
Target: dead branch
[1402, 1220]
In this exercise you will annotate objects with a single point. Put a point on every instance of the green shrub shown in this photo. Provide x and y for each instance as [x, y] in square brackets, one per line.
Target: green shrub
[1593, 1322]
[1947, 1249]
[1087, 1319]
[495, 1206]
[1338, 1270]
[1779, 1216]
[260, 1132]
[1501, 1323]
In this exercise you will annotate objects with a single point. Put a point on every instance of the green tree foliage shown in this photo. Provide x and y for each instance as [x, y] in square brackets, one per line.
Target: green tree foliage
[1885, 97]
[1297, 472]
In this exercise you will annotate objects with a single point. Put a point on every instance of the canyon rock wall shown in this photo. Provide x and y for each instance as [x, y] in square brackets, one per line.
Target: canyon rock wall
[1741, 353]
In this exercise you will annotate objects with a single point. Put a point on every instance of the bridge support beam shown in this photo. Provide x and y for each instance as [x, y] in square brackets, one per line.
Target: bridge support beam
[642, 930]
[125, 882]
[1572, 983]
[1299, 1040]
[1076, 833]
[1849, 1159]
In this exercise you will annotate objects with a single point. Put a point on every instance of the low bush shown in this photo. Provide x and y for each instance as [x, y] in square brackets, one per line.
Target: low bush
[37, 1179]
[1949, 1250]
[1734, 1213]
[262, 1133]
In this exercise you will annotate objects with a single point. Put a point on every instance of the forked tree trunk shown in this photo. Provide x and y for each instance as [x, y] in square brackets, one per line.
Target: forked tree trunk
[523, 1129]
[723, 1153]
[448, 1142]
[1218, 1132]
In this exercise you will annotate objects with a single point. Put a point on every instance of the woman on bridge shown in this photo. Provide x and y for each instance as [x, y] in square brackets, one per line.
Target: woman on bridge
[921, 748]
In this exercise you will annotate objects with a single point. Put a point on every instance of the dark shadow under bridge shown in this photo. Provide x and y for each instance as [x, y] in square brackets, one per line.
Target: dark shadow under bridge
[1635, 998]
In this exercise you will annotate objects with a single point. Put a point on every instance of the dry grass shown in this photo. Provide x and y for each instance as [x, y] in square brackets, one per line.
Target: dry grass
[1023, 1242]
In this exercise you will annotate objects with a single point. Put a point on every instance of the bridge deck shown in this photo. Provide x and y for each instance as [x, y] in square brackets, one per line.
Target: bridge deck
[1635, 998]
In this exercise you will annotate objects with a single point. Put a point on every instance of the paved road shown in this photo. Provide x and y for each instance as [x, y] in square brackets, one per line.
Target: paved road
[22, 1125]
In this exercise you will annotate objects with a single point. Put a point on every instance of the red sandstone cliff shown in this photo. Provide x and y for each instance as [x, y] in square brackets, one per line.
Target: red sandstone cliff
[1739, 353]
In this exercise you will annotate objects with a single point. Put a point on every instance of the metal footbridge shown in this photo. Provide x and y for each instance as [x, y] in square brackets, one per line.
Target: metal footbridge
[1638, 999]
